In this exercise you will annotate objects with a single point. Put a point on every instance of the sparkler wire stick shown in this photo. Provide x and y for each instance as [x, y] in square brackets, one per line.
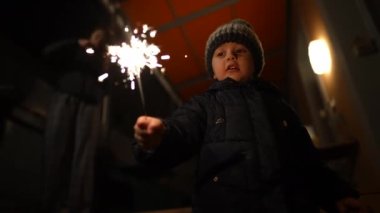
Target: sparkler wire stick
[142, 97]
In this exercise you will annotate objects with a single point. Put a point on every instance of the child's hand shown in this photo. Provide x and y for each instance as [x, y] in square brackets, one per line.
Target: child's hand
[349, 204]
[148, 132]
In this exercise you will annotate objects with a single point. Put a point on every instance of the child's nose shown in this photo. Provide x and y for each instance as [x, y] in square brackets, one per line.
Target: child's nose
[231, 56]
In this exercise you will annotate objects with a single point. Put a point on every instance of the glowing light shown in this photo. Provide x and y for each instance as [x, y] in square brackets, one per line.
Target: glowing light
[113, 59]
[90, 50]
[185, 56]
[132, 85]
[126, 29]
[133, 56]
[165, 57]
[153, 33]
[102, 77]
[145, 28]
[319, 56]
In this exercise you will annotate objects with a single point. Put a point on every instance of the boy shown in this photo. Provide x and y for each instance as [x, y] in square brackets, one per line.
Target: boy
[254, 155]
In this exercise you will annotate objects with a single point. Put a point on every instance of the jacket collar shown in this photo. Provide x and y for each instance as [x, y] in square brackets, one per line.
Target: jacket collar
[257, 83]
[227, 83]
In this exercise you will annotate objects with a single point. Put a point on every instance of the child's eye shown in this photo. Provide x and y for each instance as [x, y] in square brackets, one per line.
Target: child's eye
[240, 51]
[219, 54]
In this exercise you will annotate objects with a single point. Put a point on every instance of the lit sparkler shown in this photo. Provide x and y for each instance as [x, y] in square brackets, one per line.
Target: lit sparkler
[135, 55]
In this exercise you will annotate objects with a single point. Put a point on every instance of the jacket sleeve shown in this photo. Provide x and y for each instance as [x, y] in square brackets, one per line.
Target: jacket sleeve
[324, 184]
[60, 52]
[302, 161]
[183, 135]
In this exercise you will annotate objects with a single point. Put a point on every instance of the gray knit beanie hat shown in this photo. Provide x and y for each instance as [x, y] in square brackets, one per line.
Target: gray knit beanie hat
[239, 31]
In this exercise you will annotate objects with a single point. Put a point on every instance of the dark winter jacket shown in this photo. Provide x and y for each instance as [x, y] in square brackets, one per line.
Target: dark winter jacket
[71, 70]
[73, 128]
[254, 153]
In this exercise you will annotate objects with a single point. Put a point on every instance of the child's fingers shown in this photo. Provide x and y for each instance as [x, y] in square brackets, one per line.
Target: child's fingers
[148, 131]
[151, 125]
[143, 121]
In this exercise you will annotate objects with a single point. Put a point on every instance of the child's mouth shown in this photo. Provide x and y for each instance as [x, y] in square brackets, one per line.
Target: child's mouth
[233, 68]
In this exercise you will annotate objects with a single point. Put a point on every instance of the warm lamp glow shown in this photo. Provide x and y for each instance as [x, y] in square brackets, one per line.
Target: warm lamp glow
[319, 56]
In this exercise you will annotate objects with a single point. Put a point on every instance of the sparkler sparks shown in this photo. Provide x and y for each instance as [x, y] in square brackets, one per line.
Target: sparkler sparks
[90, 51]
[102, 77]
[134, 56]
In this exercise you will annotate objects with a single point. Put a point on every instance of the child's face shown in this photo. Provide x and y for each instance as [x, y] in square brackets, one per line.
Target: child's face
[232, 60]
